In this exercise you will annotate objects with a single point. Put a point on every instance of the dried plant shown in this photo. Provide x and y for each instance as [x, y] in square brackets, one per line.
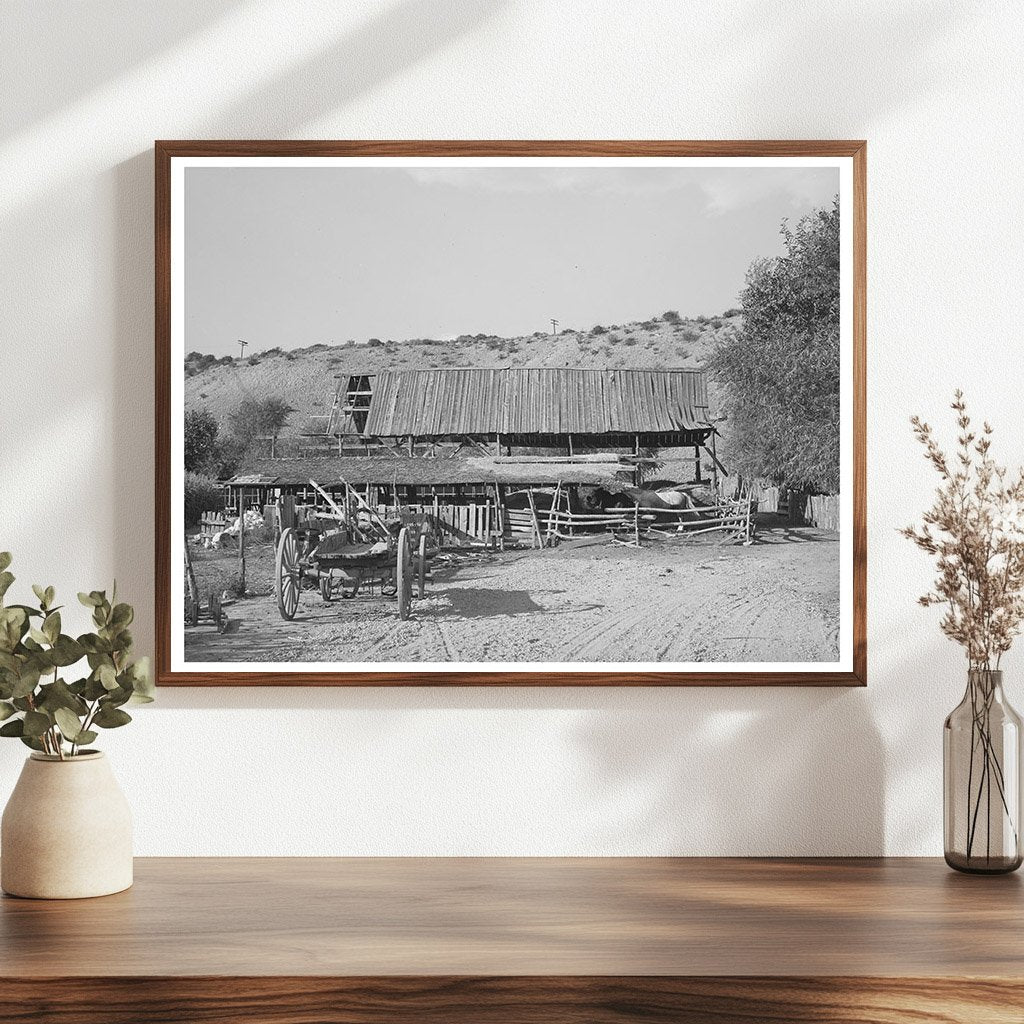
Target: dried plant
[975, 530]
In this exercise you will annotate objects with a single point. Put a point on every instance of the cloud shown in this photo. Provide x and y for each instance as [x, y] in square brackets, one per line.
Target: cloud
[724, 189]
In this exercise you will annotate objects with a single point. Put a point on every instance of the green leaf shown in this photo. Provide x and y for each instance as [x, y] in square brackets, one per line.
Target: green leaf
[107, 676]
[94, 645]
[59, 695]
[38, 635]
[142, 682]
[6, 579]
[13, 625]
[94, 689]
[51, 626]
[40, 593]
[66, 651]
[6, 710]
[13, 728]
[50, 595]
[5, 560]
[69, 724]
[86, 736]
[27, 682]
[111, 718]
[122, 615]
[36, 723]
[89, 600]
[115, 698]
[31, 741]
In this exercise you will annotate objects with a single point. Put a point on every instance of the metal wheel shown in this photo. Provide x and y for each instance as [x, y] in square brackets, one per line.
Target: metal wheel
[403, 574]
[287, 574]
[326, 587]
[422, 574]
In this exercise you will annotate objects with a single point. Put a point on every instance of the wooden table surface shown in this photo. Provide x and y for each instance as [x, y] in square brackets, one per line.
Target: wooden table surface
[671, 938]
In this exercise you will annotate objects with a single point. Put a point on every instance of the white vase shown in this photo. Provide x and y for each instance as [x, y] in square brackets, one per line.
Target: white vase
[66, 831]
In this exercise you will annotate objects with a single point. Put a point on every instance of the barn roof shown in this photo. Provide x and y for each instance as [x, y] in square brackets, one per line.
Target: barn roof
[534, 400]
[463, 469]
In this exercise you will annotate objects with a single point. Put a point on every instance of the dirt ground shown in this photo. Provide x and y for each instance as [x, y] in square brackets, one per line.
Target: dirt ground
[584, 601]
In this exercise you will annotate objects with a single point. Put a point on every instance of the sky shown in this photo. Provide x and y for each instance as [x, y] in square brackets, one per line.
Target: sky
[292, 257]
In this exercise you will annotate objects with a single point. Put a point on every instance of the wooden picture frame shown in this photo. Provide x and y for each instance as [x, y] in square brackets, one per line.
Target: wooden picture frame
[849, 670]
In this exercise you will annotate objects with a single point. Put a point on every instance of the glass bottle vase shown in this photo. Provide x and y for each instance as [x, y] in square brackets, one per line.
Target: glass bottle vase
[981, 771]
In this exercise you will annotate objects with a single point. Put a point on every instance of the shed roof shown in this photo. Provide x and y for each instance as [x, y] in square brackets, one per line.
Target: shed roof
[418, 470]
[536, 400]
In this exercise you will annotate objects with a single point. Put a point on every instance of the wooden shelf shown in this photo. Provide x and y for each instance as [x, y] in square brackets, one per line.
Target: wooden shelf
[506, 940]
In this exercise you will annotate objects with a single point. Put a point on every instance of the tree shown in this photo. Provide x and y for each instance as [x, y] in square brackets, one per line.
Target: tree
[779, 371]
[200, 431]
[258, 417]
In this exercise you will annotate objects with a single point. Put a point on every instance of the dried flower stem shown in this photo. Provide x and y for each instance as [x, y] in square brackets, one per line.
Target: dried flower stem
[975, 531]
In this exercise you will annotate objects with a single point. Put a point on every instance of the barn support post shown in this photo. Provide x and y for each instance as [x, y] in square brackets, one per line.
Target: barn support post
[696, 464]
[241, 547]
[570, 446]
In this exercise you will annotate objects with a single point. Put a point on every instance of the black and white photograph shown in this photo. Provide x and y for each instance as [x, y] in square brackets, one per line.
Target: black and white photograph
[511, 414]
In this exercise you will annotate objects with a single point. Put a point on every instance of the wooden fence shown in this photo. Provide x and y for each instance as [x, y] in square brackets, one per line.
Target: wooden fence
[821, 510]
[630, 525]
[212, 522]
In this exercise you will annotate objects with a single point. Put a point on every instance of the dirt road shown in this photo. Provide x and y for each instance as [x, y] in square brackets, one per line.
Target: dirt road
[585, 601]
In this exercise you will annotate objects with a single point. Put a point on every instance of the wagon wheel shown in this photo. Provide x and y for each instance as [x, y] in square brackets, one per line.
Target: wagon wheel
[287, 574]
[403, 575]
[422, 575]
[327, 586]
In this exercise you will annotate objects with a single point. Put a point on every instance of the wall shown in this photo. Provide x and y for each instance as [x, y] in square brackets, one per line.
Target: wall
[936, 88]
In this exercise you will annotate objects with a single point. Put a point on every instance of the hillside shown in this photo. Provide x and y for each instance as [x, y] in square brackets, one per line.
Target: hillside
[305, 377]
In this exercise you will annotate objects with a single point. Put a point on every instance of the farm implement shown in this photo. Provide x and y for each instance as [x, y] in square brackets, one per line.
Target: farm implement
[350, 549]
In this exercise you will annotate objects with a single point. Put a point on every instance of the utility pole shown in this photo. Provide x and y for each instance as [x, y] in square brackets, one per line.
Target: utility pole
[242, 344]
[554, 326]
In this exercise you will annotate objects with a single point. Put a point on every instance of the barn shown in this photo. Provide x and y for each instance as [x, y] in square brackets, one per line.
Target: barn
[465, 437]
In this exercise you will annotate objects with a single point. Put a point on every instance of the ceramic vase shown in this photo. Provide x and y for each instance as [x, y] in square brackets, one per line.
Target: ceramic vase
[66, 831]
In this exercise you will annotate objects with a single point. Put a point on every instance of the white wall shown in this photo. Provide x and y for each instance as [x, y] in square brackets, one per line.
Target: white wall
[936, 88]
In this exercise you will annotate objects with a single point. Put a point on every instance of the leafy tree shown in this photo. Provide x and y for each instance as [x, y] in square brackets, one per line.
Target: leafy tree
[256, 417]
[780, 370]
[201, 431]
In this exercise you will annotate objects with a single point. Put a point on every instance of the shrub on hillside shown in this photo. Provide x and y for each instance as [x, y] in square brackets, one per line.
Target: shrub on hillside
[671, 316]
[374, 343]
[690, 334]
[732, 312]
[613, 338]
[202, 494]
[630, 341]
[598, 329]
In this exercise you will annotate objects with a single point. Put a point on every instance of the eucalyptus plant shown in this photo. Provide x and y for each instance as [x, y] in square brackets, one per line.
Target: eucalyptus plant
[38, 705]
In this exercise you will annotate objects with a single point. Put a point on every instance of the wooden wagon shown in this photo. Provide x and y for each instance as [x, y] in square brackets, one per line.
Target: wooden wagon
[340, 567]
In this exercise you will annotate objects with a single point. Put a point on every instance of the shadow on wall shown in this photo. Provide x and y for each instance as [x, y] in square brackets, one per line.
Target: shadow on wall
[748, 772]
[394, 39]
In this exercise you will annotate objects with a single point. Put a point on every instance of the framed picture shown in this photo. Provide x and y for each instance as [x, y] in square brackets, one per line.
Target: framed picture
[492, 413]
